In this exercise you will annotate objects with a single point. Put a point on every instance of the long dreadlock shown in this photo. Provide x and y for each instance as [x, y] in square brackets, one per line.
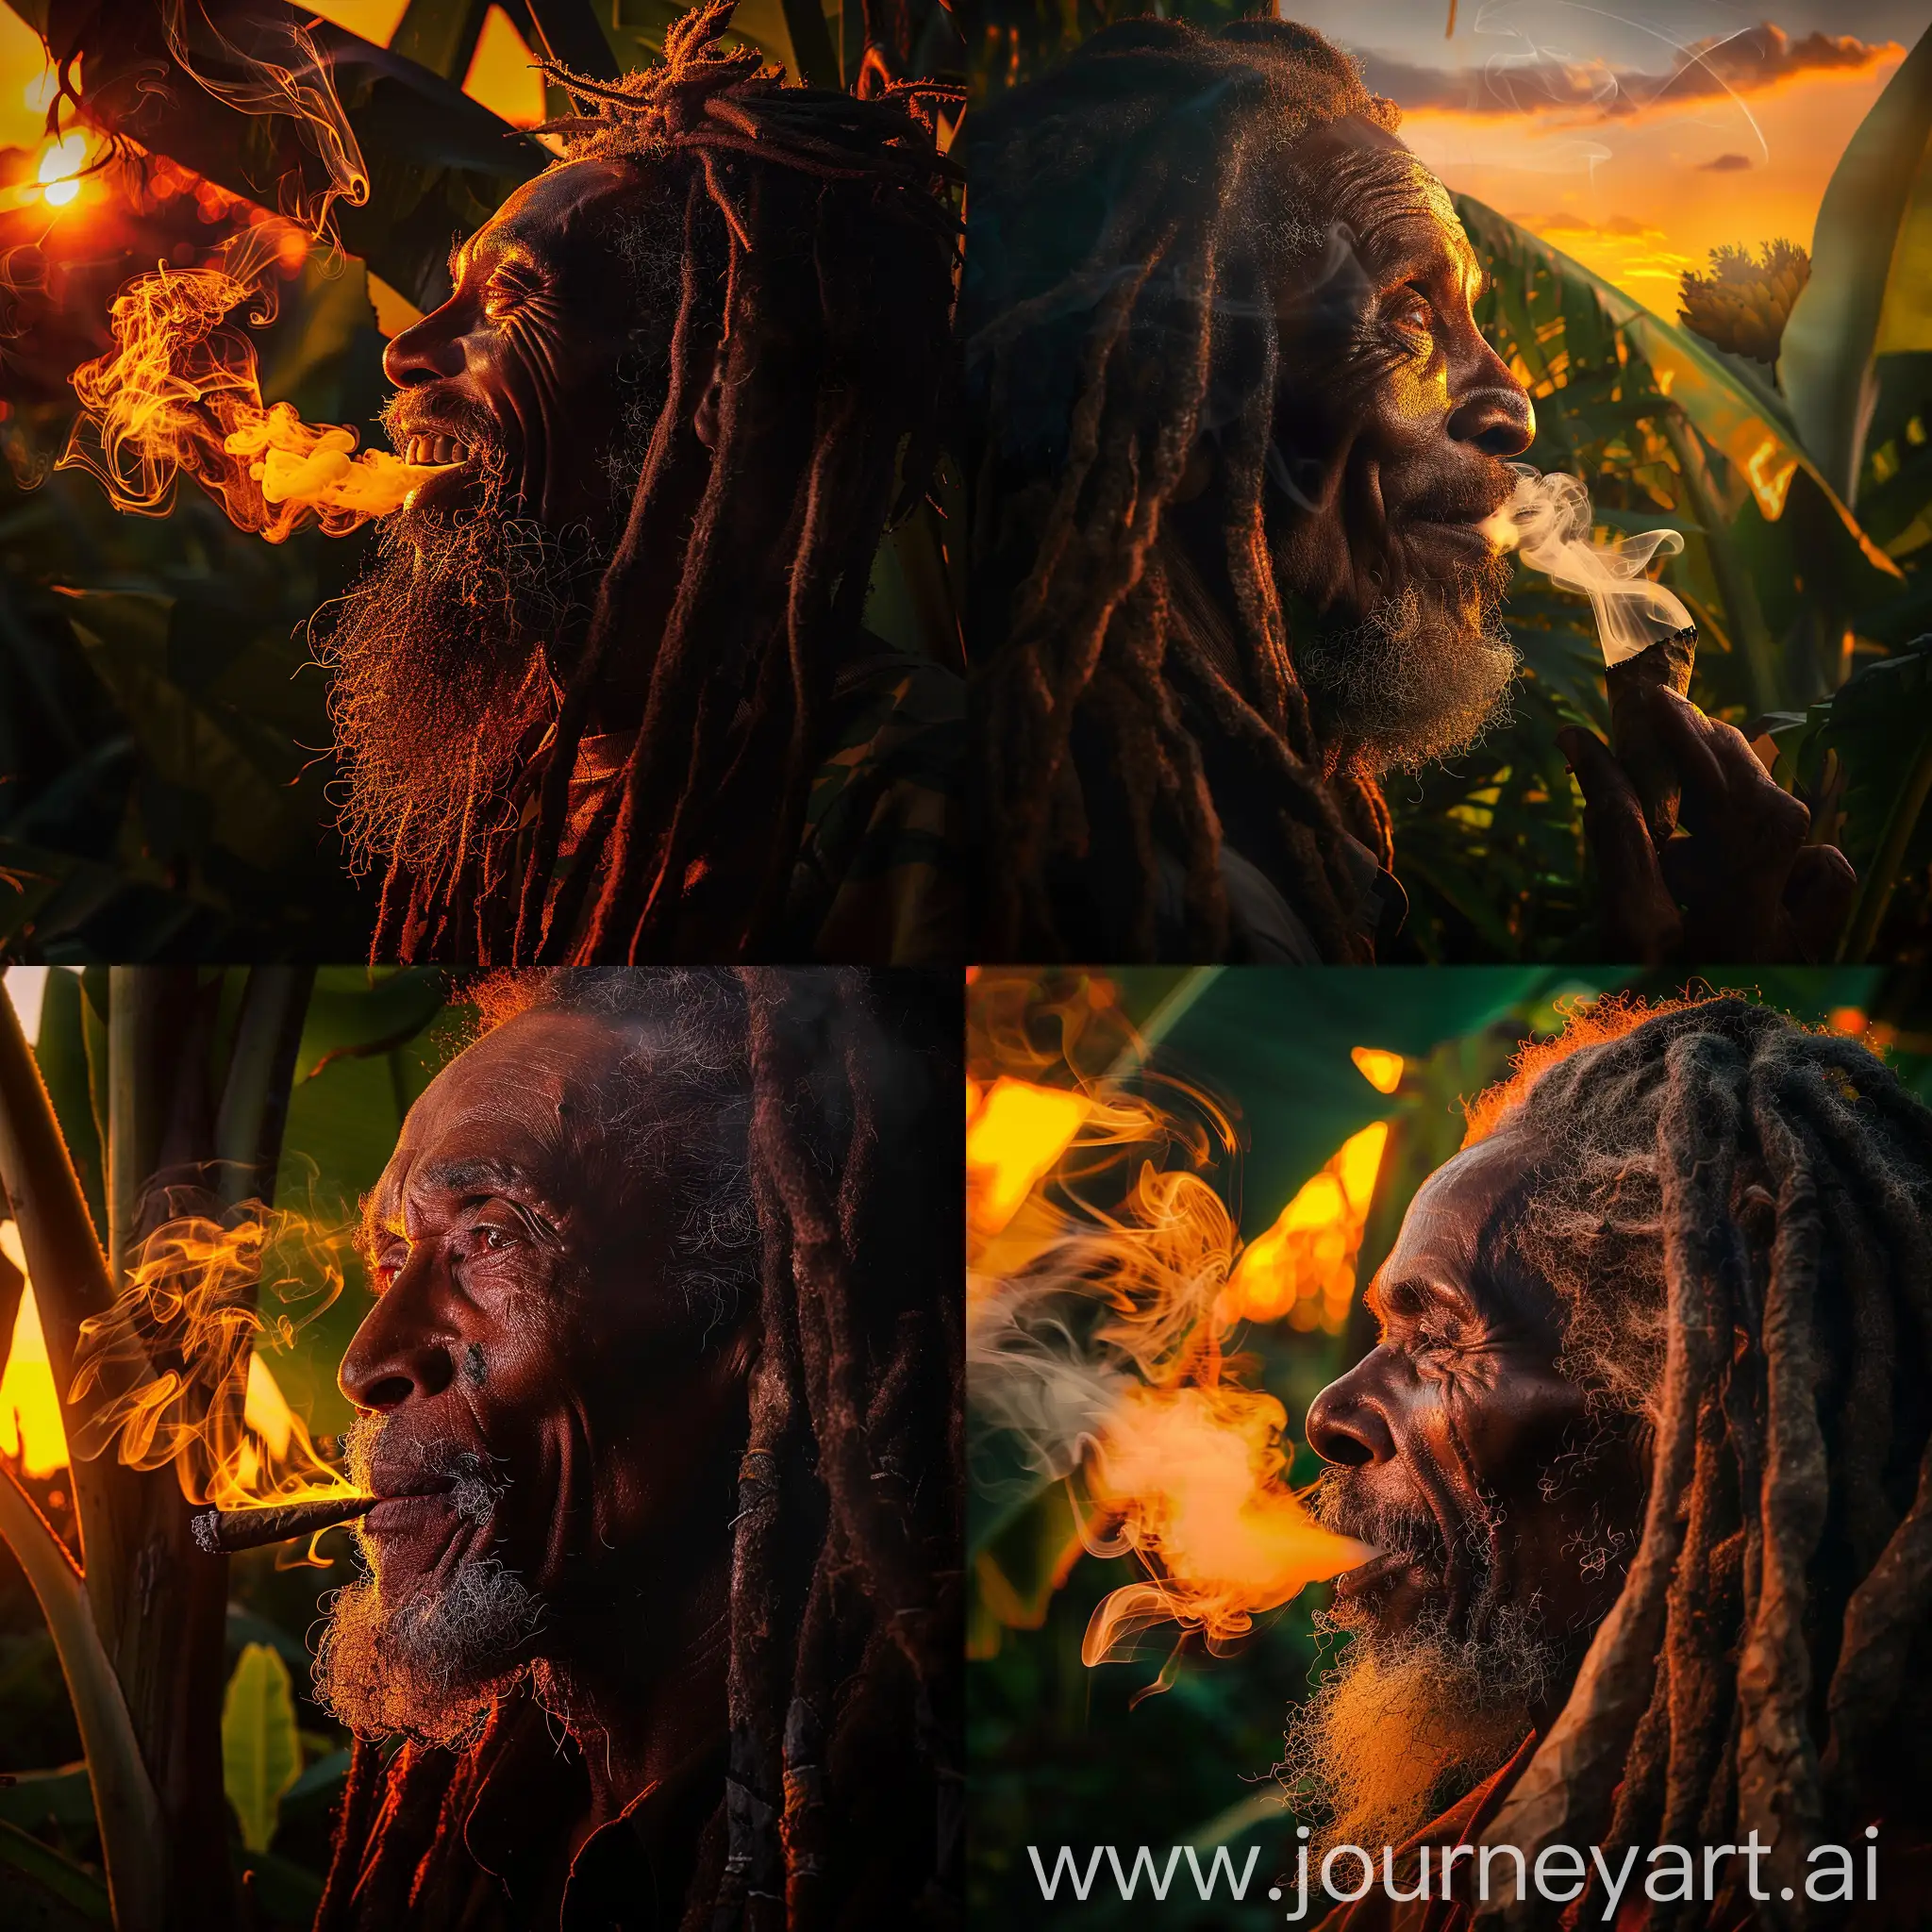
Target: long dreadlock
[843, 1678]
[1115, 311]
[1736, 1216]
[818, 254]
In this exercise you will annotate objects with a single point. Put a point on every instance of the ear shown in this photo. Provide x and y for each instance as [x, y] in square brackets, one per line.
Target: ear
[705, 422]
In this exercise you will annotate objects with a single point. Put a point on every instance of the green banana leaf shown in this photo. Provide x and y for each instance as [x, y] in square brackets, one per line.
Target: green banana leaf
[1868, 295]
[1737, 417]
[261, 1757]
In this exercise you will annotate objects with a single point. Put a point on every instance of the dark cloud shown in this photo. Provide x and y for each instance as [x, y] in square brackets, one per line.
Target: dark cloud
[1725, 164]
[1744, 63]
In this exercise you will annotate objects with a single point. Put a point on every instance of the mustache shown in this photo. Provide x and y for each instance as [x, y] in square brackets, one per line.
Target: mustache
[1338, 1502]
[379, 1458]
[1460, 1548]
[410, 413]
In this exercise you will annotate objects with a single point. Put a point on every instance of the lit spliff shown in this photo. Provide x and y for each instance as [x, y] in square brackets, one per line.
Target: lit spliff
[1646, 633]
[222, 1532]
[180, 393]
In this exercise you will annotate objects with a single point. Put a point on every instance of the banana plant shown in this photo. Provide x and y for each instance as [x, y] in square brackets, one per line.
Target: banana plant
[197, 1085]
[160, 795]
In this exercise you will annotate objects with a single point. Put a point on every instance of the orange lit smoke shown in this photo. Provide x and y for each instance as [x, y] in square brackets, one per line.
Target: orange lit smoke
[1100, 1269]
[170, 1370]
[179, 393]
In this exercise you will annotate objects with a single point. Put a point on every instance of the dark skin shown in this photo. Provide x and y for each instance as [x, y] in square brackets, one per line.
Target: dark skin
[1457, 1415]
[1394, 422]
[523, 1317]
[1740, 883]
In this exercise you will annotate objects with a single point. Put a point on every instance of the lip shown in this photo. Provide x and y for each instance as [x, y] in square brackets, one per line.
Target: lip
[1471, 538]
[1378, 1570]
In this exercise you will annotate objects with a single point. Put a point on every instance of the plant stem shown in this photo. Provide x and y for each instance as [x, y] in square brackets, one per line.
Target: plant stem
[125, 1807]
[1900, 823]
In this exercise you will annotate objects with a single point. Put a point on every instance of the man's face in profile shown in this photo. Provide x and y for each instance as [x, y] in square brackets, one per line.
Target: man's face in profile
[537, 1409]
[1460, 1450]
[1393, 422]
[518, 378]
[537, 383]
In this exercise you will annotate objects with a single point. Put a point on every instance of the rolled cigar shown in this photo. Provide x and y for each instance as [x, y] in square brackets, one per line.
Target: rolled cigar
[1633, 737]
[222, 1532]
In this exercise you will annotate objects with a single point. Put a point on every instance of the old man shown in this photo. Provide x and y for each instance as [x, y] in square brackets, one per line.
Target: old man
[1238, 438]
[1645, 1455]
[662, 1598]
[607, 694]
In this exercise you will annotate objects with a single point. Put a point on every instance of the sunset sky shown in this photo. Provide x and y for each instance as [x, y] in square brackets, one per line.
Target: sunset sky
[1639, 139]
[1636, 139]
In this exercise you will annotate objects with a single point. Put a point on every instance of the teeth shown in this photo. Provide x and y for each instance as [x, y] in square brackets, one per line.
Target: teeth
[430, 451]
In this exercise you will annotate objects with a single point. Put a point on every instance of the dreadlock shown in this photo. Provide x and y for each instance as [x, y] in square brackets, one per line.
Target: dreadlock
[1124, 212]
[843, 1800]
[818, 253]
[1736, 1214]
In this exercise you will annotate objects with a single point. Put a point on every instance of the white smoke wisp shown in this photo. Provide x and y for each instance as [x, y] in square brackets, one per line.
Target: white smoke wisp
[1547, 523]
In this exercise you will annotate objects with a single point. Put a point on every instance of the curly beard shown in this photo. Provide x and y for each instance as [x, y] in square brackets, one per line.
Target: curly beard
[427, 1662]
[1425, 674]
[440, 683]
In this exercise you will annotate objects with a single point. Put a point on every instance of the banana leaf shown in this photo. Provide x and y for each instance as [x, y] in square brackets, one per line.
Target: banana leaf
[438, 163]
[1871, 287]
[1741, 420]
[261, 1757]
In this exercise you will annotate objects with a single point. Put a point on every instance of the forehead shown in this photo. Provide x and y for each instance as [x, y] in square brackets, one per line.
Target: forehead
[521, 1101]
[1447, 1227]
[1391, 201]
[565, 206]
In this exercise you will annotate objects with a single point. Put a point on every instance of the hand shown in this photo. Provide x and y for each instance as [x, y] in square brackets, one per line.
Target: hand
[1743, 887]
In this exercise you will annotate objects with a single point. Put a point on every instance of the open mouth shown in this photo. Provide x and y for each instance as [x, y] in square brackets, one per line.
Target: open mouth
[1385, 1568]
[436, 452]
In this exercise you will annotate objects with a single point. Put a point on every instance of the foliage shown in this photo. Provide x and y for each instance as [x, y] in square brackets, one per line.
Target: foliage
[262, 1758]
[1065, 1754]
[357, 1048]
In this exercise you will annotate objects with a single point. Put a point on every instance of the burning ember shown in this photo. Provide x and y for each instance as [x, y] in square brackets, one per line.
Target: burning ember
[180, 393]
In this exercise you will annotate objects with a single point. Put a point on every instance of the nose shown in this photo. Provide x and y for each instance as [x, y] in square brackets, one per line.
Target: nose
[426, 350]
[1346, 1426]
[400, 1351]
[1498, 418]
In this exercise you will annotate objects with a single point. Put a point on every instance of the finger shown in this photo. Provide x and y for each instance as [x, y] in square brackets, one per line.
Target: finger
[1819, 897]
[1641, 920]
[1689, 737]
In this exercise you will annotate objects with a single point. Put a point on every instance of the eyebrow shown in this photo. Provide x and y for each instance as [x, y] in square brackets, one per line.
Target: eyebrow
[1425, 1285]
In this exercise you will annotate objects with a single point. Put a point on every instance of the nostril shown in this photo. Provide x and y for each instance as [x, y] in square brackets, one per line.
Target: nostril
[391, 1391]
[1499, 423]
[1337, 1446]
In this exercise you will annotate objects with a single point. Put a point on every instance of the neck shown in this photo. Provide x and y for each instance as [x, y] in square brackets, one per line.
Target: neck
[638, 1681]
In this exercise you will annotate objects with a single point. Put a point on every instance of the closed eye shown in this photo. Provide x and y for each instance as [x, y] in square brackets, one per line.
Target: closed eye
[511, 285]
[1411, 313]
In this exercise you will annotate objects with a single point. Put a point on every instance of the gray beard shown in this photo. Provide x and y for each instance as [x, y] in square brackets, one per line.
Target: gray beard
[429, 1663]
[1405, 1725]
[440, 682]
[1425, 677]
[431, 1666]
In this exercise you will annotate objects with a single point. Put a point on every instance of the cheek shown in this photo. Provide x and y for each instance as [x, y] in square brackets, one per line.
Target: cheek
[1513, 1424]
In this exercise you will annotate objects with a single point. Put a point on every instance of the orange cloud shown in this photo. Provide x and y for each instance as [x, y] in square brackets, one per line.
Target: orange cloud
[1757, 60]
